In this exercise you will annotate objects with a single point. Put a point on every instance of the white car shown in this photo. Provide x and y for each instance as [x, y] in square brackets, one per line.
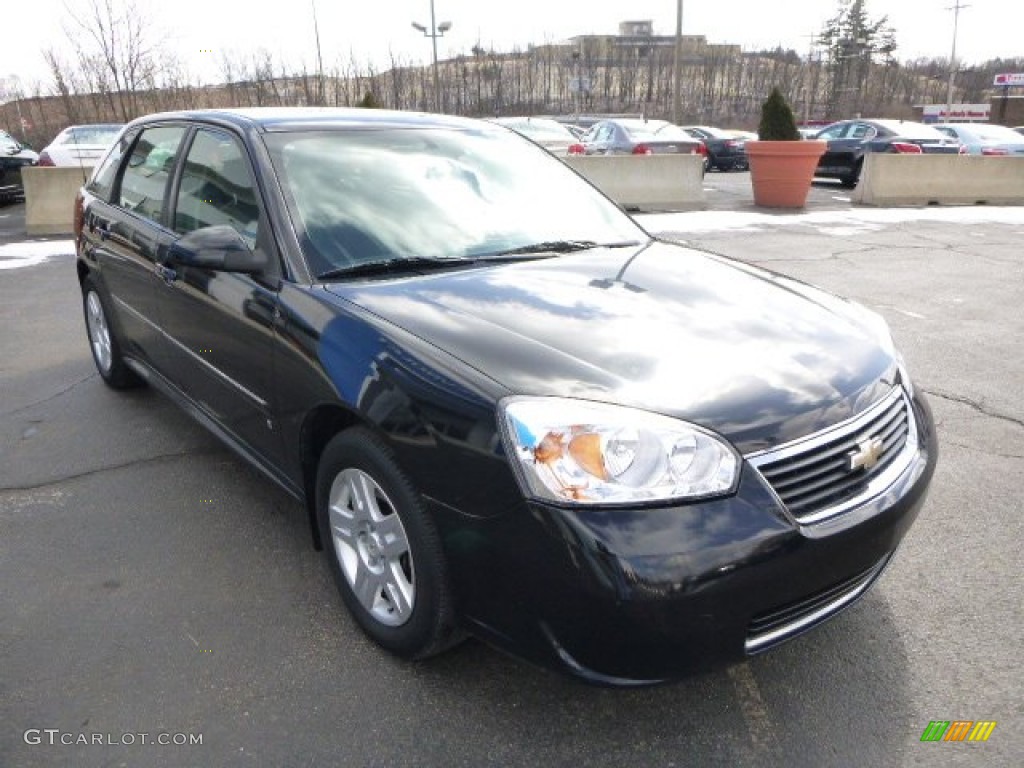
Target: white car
[550, 134]
[80, 145]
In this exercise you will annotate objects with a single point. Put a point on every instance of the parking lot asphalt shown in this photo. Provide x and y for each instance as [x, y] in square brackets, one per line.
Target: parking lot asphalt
[151, 583]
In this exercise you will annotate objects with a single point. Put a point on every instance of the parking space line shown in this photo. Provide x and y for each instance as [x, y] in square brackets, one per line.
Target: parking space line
[755, 713]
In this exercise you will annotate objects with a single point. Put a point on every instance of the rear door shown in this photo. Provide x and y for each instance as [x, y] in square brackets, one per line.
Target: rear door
[124, 231]
[220, 325]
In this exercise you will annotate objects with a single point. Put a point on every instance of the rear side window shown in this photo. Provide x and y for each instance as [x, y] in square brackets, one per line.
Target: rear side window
[217, 187]
[102, 183]
[148, 170]
[862, 131]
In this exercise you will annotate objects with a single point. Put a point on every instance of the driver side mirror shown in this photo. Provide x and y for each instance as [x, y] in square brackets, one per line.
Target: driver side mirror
[219, 248]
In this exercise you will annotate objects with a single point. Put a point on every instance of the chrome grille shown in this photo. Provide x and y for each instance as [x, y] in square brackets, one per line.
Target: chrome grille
[815, 475]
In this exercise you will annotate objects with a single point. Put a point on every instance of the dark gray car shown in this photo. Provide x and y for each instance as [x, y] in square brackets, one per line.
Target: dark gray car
[850, 140]
[13, 157]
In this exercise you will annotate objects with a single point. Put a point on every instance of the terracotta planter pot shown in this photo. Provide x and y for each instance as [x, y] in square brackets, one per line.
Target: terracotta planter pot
[781, 171]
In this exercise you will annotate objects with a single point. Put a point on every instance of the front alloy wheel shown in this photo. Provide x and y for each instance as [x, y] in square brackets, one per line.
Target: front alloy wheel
[372, 547]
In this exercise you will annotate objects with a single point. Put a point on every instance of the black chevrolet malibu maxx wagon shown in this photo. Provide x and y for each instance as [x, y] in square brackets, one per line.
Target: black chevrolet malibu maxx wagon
[508, 410]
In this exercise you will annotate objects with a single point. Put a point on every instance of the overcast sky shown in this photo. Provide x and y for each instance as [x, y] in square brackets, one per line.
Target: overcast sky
[201, 30]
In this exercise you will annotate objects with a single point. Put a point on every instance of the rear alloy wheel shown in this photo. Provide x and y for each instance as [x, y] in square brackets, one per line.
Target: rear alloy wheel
[106, 351]
[383, 549]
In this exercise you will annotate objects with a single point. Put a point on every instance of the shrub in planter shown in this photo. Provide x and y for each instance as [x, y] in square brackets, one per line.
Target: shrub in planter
[781, 163]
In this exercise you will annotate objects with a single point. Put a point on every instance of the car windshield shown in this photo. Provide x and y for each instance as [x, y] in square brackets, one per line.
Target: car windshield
[542, 129]
[910, 130]
[669, 132]
[90, 134]
[650, 129]
[718, 133]
[993, 133]
[376, 195]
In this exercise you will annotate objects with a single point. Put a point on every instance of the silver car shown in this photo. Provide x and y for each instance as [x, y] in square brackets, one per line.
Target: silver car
[640, 137]
[985, 139]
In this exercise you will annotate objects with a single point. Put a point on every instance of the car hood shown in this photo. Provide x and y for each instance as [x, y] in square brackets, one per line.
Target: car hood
[758, 357]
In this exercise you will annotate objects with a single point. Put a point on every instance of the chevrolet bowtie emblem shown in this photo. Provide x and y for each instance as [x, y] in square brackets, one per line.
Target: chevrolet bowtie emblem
[868, 452]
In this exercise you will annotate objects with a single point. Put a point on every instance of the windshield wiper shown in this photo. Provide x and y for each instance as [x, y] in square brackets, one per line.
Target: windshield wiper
[385, 266]
[556, 246]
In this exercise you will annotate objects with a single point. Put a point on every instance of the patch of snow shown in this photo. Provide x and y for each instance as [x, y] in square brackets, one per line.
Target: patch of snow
[840, 222]
[30, 253]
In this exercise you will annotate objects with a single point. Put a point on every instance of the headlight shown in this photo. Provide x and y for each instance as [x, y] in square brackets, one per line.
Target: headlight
[574, 451]
[901, 366]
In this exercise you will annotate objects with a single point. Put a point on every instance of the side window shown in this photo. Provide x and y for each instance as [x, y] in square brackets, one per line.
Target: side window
[145, 177]
[217, 187]
[862, 131]
[102, 183]
[833, 133]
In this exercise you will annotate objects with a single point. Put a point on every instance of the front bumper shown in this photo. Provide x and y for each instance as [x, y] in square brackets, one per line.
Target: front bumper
[635, 596]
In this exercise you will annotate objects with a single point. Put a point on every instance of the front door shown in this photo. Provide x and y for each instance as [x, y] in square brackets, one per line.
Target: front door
[220, 325]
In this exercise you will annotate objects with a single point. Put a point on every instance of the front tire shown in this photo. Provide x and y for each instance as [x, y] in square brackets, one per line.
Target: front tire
[103, 343]
[383, 549]
[850, 180]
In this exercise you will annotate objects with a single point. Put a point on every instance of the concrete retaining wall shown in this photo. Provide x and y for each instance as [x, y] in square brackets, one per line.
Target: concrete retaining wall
[940, 179]
[50, 198]
[645, 182]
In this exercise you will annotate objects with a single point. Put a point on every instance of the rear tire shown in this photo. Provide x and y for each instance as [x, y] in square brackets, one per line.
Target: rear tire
[383, 549]
[103, 343]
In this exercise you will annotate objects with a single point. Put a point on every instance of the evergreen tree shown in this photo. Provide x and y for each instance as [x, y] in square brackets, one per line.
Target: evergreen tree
[852, 41]
[777, 122]
[369, 101]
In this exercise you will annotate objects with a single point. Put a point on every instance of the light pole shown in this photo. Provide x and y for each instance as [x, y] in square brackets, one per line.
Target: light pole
[436, 31]
[952, 58]
[677, 65]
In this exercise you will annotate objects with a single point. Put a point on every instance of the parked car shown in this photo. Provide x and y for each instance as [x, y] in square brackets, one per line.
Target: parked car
[808, 132]
[725, 151]
[637, 136]
[850, 140]
[13, 157]
[507, 408]
[550, 134]
[985, 139]
[79, 145]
